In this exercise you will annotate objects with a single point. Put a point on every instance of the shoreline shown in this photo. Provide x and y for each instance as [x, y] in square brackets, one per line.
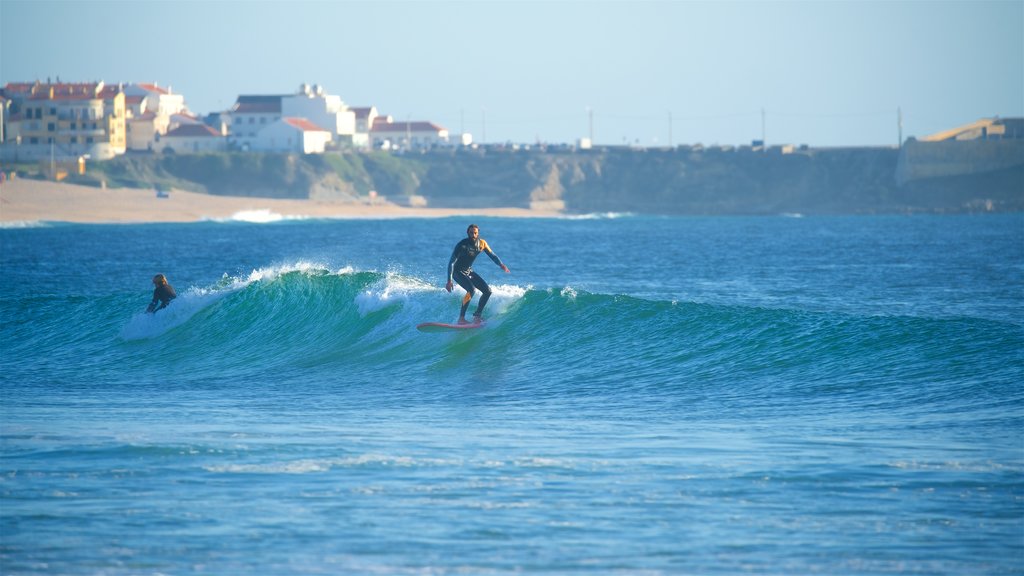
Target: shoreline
[24, 201]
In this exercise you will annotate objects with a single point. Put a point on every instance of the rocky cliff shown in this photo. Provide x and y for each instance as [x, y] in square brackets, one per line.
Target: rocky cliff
[682, 180]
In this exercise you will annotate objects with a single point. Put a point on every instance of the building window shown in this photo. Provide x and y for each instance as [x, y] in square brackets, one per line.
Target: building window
[51, 127]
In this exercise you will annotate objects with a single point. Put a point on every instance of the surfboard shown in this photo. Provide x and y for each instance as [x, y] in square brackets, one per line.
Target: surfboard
[444, 327]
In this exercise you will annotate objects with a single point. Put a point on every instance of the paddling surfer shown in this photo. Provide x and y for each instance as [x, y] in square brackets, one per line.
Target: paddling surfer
[460, 269]
[162, 294]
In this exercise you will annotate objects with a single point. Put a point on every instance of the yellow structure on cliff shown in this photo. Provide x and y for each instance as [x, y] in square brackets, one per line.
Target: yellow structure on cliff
[984, 129]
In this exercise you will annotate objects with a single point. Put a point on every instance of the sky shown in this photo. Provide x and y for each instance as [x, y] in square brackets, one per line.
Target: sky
[647, 73]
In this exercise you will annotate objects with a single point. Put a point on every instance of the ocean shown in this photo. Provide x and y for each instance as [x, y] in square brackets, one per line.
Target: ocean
[650, 395]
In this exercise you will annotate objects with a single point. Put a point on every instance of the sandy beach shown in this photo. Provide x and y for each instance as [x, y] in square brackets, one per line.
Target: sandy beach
[30, 201]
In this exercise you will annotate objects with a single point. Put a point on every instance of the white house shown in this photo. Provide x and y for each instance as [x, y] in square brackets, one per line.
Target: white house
[143, 130]
[290, 134]
[191, 138]
[149, 110]
[387, 133]
[365, 117]
[324, 110]
[143, 97]
[249, 116]
[252, 113]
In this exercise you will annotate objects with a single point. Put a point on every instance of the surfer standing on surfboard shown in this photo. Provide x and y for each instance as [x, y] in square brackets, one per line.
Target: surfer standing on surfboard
[460, 268]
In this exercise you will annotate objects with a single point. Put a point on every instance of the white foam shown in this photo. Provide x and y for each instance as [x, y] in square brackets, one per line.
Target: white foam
[394, 287]
[194, 299]
[598, 216]
[144, 325]
[269, 273]
[24, 224]
[258, 216]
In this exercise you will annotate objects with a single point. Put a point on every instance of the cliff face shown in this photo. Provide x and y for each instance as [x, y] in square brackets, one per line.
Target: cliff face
[677, 181]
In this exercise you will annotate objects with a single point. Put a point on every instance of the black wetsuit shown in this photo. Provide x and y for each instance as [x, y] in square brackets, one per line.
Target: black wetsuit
[163, 295]
[460, 269]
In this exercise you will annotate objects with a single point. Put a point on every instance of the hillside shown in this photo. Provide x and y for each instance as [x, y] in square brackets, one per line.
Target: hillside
[678, 181]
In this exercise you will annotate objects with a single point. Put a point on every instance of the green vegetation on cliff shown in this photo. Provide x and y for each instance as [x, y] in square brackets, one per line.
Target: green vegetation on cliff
[655, 181]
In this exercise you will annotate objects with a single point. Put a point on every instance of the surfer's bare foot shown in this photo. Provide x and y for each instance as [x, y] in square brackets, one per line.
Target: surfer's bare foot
[477, 319]
[463, 321]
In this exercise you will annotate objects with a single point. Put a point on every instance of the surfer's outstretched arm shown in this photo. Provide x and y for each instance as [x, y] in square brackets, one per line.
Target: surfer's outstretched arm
[496, 260]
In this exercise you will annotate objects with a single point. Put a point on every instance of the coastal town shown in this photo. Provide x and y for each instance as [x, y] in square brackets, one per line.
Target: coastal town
[144, 136]
[100, 121]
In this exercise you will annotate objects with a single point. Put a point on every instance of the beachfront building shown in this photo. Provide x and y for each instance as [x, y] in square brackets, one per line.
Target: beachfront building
[387, 134]
[251, 114]
[365, 117]
[151, 112]
[322, 109]
[191, 138]
[293, 135]
[64, 121]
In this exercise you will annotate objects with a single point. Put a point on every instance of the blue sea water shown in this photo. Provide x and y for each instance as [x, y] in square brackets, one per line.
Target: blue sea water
[720, 395]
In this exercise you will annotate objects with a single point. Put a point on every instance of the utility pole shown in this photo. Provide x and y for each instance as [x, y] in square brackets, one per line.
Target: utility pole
[899, 128]
[590, 121]
[669, 128]
[764, 140]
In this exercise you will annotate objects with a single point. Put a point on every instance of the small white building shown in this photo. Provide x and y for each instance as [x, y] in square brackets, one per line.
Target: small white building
[322, 109]
[249, 116]
[388, 134]
[149, 110]
[140, 98]
[365, 117]
[290, 134]
[190, 139]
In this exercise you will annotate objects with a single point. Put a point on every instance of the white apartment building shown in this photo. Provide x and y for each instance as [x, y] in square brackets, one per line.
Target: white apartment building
[324, 110]
[295, 135]
[150, 110]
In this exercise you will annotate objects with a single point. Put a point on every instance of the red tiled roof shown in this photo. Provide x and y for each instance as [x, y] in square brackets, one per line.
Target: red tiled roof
[63, 91]
[184, 118]
[153, 88]
[304, 125]
[192, 131]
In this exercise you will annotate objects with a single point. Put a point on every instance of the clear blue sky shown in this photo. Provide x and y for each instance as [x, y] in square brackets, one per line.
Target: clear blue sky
[824, 73]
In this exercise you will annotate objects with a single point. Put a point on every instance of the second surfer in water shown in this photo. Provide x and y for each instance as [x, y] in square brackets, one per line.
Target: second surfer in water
[460, 268]
[163, 293]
